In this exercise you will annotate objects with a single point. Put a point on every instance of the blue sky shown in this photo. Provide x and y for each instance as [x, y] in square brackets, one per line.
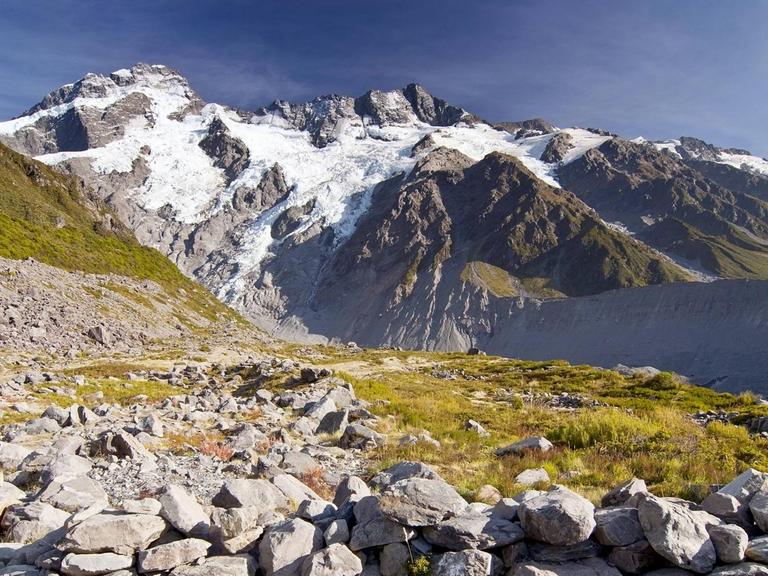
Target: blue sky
[658, 68]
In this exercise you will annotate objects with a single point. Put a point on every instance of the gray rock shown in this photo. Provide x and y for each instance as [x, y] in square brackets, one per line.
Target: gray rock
[742, 569]
[246, 492]
[350, 488]
[233, 521]
[27, 523]
[622, 493]
[401, 471]
[730, 542]
[506, 508]
[183, 512]
[541, 552]
[532, 444]
[636, 558]
[467, 563]
[333, 422]
[316, 511]
[676, 534]
[758, 505]
[242, 565]
[94, 564]
[420, 502]
[757, 550]
[286, 545]
[337, 532]
[336, 560]
[360, 437]
[745, 485]
[532, 476]
[294, 489]
[20, 570]
[373, 528]
[75, 495]
[728, 508]
[476, 427]
[169, 556]
[481, 531]
[9, 495]
[617, 526]
[12, 455]
[298, 463]
[557, 517]
[393, 559]
[588, 567]
[119, 533]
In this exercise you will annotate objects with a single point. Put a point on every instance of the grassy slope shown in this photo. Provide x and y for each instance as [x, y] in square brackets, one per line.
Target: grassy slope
[644, 430]
[44, 215]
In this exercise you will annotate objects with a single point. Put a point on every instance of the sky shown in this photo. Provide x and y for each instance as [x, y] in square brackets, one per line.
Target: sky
[656, 68]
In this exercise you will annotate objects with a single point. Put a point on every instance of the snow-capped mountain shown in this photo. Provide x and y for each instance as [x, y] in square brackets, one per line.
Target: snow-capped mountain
[394, 216]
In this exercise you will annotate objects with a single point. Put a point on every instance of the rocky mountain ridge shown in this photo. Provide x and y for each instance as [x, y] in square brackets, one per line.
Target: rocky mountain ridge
[266, 207]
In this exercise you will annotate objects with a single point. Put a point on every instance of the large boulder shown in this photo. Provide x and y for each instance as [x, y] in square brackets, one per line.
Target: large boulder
[286, 545]
[183, 511]
[474, 530]
[745, 485]
[758, 505]
[242, 565]
[730, 542]
[636, 558]
[558, 516]
[467, 563]
[420, 502]
[757, 550]
[373, 528]
[336, 560]
[27, 523]
[617, 526]
[119, 533]
[622, 493]
[588, 567]
[741, 569]
[360, 437]
[241, 492]
[94, 564]
[402, 471]
[677, 534]
[169, 556]
[75, 494]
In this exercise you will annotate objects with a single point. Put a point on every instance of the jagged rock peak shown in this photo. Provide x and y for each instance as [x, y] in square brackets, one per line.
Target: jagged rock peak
[101, 85]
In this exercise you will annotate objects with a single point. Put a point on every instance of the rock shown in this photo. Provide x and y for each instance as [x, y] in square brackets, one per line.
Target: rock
[373, 528]
[316, 511]
[336, 560]
[401, 471]
[617, 526]
[557, 517]
[622, 493]
[488, 494]
[676, 534]
[728, 508]
[757, 550]
[183, 511]
[588, 567]
[477, 428]
[758, 505]
[532, 476]
[532, 444]
[143, 506]
[337, 532]
[119, 533]
[742, 569]
[299, 463]
[636, 558]
[287, 545]
[123, 445]
[540, 552]
[745, 485]
[481, 531]
[75, 495]
[333, 422]
[467, 563]
[393, 559]
[12, 455]
[360, 437]
[420, 502]
[246, 492]
[350, 488]
[294, 489]
[169, 556]
[233, 521]
[730, 542]
[506, 508]
[242, 565]
[9, 495]
[101, 335]
[20, 570]
[94, 564]
[28, 523]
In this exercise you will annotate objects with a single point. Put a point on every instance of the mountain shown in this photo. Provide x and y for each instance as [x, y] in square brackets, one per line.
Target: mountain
[84, 277]
[396, 217]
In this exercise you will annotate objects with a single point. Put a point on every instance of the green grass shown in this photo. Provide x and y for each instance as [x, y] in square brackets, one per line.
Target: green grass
[488, 277]
[645, 430]
[46, 216]
[113, 391]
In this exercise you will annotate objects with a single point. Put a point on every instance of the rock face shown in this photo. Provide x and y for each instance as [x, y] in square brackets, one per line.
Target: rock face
[676, 534]
[286, 546]
[120, 533]
[558, 517]
[420, 502]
